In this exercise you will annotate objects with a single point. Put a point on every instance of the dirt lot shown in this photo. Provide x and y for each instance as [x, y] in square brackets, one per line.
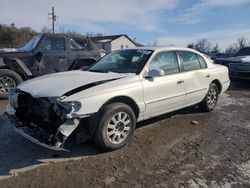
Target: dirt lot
[168, 151]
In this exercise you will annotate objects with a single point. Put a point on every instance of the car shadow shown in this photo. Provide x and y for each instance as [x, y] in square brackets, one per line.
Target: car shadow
[189, 110]
[18, 154]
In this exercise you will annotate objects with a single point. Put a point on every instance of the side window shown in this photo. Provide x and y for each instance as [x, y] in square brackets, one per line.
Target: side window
[74, 45]
[167, 61]
[53, 44]
[189, 60]
[202, 62]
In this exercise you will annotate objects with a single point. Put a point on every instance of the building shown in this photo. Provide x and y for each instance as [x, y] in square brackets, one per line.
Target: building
[113, 42]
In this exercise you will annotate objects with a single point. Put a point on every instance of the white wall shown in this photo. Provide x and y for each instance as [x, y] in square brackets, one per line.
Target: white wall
[116, 44]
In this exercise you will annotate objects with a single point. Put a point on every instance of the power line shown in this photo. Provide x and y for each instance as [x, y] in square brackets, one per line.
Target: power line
[53, 18]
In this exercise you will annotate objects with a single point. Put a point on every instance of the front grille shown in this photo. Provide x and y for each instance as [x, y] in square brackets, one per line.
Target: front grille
[240, 67]
[240, 74]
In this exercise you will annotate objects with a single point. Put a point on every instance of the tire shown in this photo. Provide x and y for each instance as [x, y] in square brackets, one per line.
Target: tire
[8, 81]
[111, 135]
[211, 99]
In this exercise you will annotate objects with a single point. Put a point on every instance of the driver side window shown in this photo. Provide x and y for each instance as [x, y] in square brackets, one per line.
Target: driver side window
[50, 44]
[167, 61]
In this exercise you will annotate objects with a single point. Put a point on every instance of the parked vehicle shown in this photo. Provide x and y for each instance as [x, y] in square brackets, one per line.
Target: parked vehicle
[44, 54]
[218, 55]
[104, 103]
[239, 64]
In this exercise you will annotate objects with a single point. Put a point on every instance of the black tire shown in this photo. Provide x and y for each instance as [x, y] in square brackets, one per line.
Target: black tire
[8, 80]
[211, 99]
[117, 111]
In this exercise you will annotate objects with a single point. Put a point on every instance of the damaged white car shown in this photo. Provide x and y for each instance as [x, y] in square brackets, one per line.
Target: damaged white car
[104, 103]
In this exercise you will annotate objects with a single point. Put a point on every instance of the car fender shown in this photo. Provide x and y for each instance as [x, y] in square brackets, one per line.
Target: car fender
[93, 99]
[16, 65]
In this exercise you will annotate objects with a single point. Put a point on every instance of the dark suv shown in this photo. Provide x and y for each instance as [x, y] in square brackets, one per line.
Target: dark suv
[239, 64]
[44, 54]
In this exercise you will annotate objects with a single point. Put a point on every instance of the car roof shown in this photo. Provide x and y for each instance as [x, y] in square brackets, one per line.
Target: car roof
[159, 49]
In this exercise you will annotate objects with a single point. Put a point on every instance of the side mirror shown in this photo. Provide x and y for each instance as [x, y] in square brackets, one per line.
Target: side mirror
[154, 73]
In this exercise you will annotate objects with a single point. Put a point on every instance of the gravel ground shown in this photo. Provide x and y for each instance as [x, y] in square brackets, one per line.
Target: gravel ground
[167, 151]
[3, 104]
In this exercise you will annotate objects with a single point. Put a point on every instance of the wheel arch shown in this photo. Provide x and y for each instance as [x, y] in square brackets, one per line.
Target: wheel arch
[126, 100]
[17, 66]
[218, 83]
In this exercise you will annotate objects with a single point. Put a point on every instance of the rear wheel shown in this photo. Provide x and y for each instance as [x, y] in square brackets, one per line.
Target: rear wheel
[115, 127]
[211, 99]
[8, 81]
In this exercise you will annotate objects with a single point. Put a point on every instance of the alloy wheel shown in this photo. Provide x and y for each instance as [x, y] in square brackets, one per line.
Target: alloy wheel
[118, 128]
[7, 84]
[212, 97]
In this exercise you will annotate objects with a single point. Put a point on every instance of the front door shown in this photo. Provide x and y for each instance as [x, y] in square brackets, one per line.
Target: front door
[165, 93]
[54, 58]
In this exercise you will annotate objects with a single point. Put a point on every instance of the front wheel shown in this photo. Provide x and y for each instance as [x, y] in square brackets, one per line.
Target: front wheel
[8, 81]
[211, 99]
[115, 127]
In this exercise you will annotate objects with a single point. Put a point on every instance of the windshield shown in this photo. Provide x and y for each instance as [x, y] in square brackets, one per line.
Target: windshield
[123, 61]
[31, 44]
[243, 52]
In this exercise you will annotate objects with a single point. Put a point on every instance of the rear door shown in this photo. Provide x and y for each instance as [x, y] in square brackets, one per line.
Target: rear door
[197, 79]
[165, 93]
[54, 57]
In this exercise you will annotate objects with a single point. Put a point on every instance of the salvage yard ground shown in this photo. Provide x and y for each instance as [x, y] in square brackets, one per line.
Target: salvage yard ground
[167, 151]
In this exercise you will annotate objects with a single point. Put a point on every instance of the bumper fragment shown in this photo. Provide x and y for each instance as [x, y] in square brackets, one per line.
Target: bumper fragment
[24, 133]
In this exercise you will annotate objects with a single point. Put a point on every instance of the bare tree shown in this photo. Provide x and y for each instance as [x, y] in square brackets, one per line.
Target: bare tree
[232, 49]
[45, 29]
[216, 48]
[242, 42]
[191, 46]
[203, 46]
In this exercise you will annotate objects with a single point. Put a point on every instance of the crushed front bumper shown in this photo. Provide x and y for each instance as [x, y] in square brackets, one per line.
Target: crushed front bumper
[25, 133]
[54, 141]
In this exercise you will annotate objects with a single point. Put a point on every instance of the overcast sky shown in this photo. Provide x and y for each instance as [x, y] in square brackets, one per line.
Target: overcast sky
[170, 22]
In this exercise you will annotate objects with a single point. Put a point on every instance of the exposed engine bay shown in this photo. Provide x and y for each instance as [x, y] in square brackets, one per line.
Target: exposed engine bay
[45, 121]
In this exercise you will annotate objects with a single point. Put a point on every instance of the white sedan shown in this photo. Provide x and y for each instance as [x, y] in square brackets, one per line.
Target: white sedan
[104, 103]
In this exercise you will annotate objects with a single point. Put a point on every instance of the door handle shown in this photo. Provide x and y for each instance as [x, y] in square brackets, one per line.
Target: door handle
[180, 81]
[208, 75]
[62, 56]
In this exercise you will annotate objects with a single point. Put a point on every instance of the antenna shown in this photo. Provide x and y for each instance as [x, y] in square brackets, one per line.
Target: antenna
[53, 18]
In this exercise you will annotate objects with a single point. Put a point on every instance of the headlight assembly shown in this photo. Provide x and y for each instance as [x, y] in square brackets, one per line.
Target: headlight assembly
[72, 107]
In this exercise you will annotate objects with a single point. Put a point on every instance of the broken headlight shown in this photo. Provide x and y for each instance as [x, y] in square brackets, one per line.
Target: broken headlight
[71, 107]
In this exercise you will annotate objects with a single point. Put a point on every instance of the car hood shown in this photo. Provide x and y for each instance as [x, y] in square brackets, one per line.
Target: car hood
[245, 59]
[58, 84]
[18, 54]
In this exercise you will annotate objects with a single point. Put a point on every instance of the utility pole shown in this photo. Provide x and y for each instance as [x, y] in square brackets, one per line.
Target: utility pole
[53, 18]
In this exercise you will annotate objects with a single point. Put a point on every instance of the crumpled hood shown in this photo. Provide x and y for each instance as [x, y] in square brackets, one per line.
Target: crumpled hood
[54, 85]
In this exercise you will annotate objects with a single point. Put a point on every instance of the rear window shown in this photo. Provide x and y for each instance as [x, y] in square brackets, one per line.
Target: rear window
[189, 60]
